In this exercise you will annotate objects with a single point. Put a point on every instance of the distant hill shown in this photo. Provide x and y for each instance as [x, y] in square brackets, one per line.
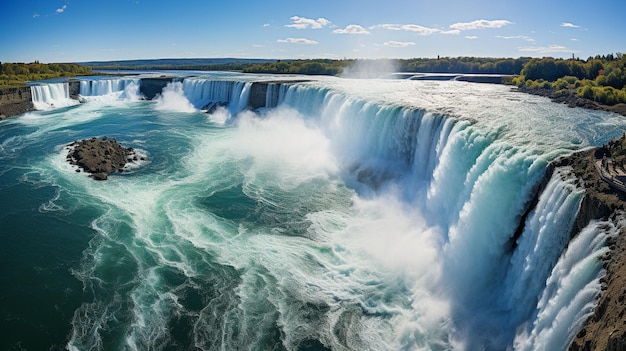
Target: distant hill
[186, 63]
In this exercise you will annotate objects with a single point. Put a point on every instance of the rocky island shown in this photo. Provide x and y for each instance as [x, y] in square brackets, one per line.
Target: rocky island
[100, 156]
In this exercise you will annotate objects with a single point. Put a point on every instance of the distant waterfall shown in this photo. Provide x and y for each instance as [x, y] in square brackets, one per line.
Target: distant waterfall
[116, 88]
[275, 94]
[49, 96]
[205, 93]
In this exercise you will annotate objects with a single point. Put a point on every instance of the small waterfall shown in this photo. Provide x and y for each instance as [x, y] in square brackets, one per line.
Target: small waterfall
[49, 96]
[275, 94]
[116, 88]
[242, 98]
[204, 93]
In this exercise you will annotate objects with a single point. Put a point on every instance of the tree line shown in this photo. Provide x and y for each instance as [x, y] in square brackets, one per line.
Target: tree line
[599, 78]
[16, 74]
[508, 66]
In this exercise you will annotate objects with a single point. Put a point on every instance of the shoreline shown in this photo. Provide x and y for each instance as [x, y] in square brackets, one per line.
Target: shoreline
[571, 100]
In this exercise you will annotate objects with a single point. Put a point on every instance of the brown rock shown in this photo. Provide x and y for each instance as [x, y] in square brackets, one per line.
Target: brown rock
[99, 157]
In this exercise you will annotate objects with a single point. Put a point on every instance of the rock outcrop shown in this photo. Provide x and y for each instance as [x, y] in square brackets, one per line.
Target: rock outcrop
[15, 101]
[100, 157]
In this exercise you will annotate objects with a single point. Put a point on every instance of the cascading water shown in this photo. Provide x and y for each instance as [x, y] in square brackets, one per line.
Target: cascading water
[331, 221]
[112, 88]
[275, 94]
[52, 95]
[204, 93]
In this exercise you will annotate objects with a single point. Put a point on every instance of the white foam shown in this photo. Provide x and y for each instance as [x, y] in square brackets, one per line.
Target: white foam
[172, 98]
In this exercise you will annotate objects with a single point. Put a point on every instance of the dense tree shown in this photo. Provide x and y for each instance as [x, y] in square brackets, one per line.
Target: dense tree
[13, 74]
[600, 78]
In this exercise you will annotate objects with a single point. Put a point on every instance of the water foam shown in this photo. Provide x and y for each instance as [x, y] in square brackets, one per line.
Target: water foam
[172, 98]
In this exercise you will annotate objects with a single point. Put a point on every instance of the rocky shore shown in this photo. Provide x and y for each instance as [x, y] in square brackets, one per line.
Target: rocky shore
[605, 330]
[572, 100]
[100, 156]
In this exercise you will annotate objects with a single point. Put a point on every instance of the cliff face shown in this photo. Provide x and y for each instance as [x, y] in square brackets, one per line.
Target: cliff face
[15, 101]
[150, 87]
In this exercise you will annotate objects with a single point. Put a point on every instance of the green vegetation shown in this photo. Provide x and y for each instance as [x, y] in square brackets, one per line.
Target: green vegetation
[484, 65]
[421, 65]
[313, 67]
[601, 78]
[17, 74]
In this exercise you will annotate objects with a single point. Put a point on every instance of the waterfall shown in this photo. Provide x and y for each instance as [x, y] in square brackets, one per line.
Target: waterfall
[49, 96]
[275, 94]
[205, 93]
[341, 216]
[570, 293]
[115, 88]
[240, 101]
[449, 171]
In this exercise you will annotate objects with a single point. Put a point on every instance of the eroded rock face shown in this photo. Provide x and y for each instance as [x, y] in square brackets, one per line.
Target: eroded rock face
[100, 156]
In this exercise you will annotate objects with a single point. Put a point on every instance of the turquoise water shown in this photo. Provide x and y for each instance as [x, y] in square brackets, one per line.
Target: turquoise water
[355, 215]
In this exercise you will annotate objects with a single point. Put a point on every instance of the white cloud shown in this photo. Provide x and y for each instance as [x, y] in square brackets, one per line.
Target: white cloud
[471, 37]
[265, 25]
[546, 49]
[421, 30]
[298, 41]
[35, 15]
[388, 26]
[480, 24]
[352, 29]
[521, 37]
[569, 25]
[452, 31]
[303, 23]
[62, 8]
[574, 39]
[257, 45]
[398, 44]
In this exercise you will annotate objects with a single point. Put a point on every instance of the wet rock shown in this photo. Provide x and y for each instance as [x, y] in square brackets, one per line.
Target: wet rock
[99, 157]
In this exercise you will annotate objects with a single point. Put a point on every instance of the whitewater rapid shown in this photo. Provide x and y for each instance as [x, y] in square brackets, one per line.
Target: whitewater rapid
[348, 215]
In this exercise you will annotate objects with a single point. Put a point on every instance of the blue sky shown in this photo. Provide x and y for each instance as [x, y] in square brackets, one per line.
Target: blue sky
[90, 30]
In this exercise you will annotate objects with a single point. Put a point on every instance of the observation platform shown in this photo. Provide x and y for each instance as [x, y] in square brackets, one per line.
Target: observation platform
[612, 173]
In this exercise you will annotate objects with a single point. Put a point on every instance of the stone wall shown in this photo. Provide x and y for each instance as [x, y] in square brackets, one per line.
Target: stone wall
[15, 101]
[150, 87]
[74, 88]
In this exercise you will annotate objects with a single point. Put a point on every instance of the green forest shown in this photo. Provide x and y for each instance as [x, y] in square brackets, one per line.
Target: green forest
[422, 65]
[600, 78]
[16, 74]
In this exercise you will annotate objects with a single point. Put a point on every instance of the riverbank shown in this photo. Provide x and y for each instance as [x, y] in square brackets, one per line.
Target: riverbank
[572, 100]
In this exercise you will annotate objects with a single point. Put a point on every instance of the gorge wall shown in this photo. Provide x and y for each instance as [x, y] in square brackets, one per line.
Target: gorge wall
[15, 101]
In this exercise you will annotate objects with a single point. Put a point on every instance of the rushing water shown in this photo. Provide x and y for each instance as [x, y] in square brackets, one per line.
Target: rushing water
[351, 215]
